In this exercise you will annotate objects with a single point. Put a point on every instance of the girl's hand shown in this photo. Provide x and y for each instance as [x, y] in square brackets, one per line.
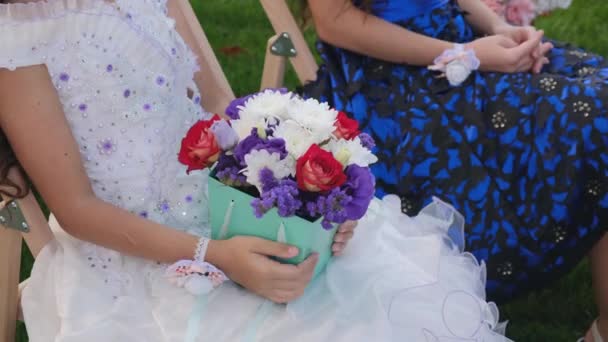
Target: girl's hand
[503, 54]
[343, 235]
[521, 34]
[246, 260]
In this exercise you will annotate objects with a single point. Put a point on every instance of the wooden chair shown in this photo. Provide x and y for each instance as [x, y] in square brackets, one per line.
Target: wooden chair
[19, 218]
[288, 43]
[24, 218]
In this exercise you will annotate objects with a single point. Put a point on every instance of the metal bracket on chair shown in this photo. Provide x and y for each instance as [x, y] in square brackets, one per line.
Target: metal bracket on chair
[283, 46]
[12, 217]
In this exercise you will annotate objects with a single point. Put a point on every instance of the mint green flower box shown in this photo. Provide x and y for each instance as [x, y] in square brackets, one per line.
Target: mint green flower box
[308, 236]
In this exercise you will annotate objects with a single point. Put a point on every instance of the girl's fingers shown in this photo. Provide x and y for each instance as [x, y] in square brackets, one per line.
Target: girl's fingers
[343, 237]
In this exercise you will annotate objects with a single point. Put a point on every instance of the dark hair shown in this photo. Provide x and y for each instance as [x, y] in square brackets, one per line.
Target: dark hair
[15, 187]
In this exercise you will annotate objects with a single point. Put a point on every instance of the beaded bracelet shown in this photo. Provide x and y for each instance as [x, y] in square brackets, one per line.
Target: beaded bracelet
[201, 249]
[456, 64]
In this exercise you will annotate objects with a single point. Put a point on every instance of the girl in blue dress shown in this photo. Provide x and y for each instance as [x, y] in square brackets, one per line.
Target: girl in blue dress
[520, 147]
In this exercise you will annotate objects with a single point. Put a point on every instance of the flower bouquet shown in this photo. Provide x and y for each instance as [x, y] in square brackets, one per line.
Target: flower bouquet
[283, 168]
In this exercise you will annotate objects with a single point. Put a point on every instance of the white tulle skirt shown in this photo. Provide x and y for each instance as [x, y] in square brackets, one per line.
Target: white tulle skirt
[400, 279]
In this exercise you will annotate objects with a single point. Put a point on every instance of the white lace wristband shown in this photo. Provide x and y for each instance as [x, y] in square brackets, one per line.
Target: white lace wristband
[456, 64]
[201, 249]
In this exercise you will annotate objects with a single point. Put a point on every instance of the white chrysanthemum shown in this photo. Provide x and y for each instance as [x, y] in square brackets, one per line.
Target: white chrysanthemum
[349, 152]
[316, 117]
[297, 139]
[244, 125]
[268, 104]
[257, 160]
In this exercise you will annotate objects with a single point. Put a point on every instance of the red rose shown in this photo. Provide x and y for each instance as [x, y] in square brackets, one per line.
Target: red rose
[346, 128]
[199, 147]
[317, 170]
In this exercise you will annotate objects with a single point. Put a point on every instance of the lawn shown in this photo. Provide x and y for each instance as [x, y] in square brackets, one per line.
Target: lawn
[238, 31]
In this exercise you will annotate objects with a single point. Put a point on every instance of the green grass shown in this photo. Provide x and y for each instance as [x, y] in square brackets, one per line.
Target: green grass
[559, 313]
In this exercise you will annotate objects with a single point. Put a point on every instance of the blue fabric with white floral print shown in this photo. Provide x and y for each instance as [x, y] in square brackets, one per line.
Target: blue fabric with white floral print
[524, 157]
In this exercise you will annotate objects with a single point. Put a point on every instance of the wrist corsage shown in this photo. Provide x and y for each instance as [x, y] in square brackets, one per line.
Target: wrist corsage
[196, 276]
[456, 64]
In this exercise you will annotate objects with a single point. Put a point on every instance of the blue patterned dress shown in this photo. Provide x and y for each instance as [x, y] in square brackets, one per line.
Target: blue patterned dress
[524, 157]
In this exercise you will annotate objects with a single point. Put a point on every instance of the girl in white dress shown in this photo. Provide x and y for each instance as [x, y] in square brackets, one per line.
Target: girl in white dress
[94, 100]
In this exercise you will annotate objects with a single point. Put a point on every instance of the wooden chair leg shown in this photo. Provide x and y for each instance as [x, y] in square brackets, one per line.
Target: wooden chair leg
[273, 74]
[282, 20]
[10, 260]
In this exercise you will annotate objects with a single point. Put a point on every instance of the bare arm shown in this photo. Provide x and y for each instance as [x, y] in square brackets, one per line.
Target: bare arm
[481, 17]
[340, 23]
[33, 120]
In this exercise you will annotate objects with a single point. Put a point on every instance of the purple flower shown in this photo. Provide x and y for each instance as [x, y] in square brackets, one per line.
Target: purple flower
[82, 107]
[367, 141]
[109, 68]
[228, 171]
[147, 107]
[267, 179]
[332, 206]
[225, 135]
[283, 196]
[360, 186]
[233, 108]
[160, 80]
[254, 142]
[126, 93]
[64, 77]
[247, 145]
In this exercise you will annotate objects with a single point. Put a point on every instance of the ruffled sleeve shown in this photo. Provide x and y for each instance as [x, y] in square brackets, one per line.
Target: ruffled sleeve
[59, 33]
[29, 30]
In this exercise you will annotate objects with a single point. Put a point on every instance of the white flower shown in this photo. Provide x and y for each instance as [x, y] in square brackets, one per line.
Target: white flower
[457, 72]
[349, 152]
[317, 118]
[297, 139]
[244, 125]
[268, 104]
[257, 160]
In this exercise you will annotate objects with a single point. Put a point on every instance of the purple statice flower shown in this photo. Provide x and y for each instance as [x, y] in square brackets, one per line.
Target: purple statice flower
[228, 171]
[283, 196]
[267, 179]
[225, 135]
[367, 141]
[254, 142]
[332, 206]
[360, 187]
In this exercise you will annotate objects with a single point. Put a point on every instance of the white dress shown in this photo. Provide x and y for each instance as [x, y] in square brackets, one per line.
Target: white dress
[122, 74]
